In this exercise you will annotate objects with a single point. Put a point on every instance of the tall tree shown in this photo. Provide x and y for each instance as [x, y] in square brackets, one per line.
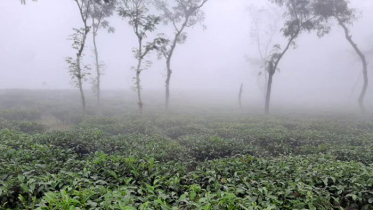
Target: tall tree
[99, 12]
[299, 18]
[79, 72]
[345, 16]
[136, 11]
[265, 24]
[182, 14]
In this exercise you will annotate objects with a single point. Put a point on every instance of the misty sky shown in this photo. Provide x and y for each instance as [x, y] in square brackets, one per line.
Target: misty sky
[33, 45]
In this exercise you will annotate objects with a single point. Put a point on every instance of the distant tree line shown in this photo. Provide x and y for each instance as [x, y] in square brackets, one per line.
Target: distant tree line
[299, 16]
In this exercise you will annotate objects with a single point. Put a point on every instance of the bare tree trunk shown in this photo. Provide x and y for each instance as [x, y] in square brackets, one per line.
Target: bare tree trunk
[168, 64]
[80, 84]
[240, 96]
[273, 64]
[98, 72]
[363, 61]
[82, 96]
[269, 90]
[265, 79]
[138, 87]
[138, 72]
[79, 77]
[169, 57]
[79, 55]
[169, 73]
[365, 86]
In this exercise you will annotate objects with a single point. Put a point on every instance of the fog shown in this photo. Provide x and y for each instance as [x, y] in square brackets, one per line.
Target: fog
[211, 64]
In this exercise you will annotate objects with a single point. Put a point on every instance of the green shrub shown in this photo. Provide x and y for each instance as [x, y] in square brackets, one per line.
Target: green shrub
[29, 127]
[203, 147]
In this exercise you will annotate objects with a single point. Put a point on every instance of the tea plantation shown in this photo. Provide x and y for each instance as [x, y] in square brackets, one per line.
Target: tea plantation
[184, 161]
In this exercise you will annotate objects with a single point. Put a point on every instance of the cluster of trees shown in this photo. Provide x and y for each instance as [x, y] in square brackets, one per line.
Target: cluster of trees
[299, 16]
[306, 16]
[181, 14]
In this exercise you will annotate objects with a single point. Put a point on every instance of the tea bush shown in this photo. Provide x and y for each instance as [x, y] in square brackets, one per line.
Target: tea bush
[184, 161]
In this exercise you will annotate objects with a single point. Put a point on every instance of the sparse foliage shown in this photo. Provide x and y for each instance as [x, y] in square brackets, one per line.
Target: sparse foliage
[99, 12]
[77, 70]
[298, 18]
[136, 12]
[341, 12]
[181, 14]
[24, 1]
[265, 23]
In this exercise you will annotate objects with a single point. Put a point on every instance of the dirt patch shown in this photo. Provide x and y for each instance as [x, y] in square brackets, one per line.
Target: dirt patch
[52, 123]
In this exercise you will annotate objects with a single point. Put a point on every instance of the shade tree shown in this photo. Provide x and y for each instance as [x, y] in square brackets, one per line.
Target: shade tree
[298, 18]
[265, 25]
[100, 11]
[180, 14]
[142, 23]
[78, 71]
[340, 12]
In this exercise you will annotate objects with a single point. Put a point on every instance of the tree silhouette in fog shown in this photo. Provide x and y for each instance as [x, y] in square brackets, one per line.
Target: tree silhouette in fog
[298, 18]
[143, 23]
[99, 13]
[77, 70]
[341, 12]
[181, 14]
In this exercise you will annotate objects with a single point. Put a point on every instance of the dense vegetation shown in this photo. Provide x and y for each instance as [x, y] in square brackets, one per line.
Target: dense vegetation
[181, 160]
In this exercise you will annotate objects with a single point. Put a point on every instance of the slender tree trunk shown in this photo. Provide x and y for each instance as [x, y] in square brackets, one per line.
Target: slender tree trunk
[80, 84]
[365, 86]
[169, 57]
[364, 63]
[273, 64]
[138, 72]
[82, 96]
[79, 68]
[98, 72]
[138, 87]
[168, 64]
[79, 54]
[240, 96]
[265, 79]
[269, 90]
[271, 71]
[169, 73]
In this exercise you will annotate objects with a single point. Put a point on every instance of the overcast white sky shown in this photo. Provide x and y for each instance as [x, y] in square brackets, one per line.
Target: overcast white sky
[33, 45]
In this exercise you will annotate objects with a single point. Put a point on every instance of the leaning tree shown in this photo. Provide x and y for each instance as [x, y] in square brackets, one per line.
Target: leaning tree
[143, 23]
[99, 12]
[298, 18]
[181, 14]
[77, 70]
[341, 12]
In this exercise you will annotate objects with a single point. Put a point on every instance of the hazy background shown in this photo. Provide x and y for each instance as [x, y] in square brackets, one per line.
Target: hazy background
[212, 63]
